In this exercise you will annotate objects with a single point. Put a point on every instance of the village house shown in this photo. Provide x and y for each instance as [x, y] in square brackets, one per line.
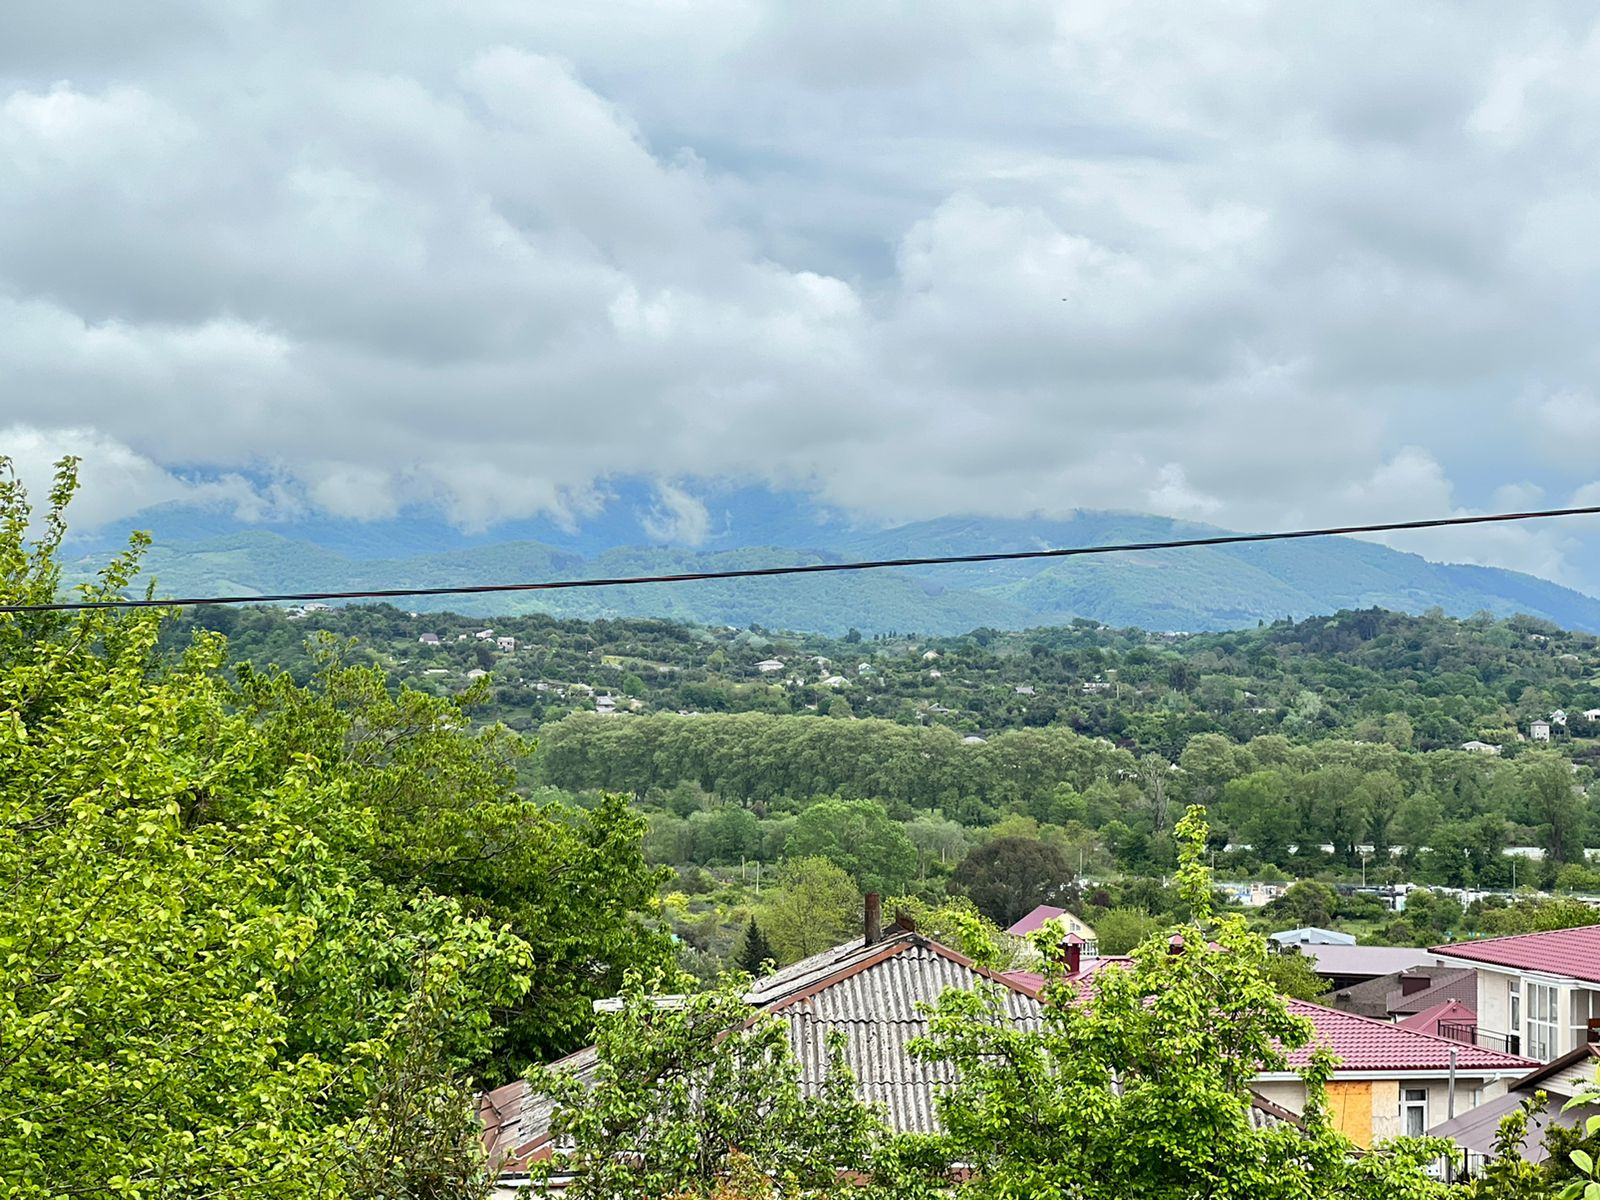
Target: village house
[429, 639]
[1401, 995]
[1477, 747]
[1390, 1081]
[1538, 993]
[1254, 894]
[507, 644]
[1539, 731]
[873, 989]
[1475, 1130]
[768, 665]
[1076, 928]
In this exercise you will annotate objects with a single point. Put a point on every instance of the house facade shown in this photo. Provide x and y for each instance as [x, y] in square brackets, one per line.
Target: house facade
[1076, 927]
[1538, 993]
[1391, 1081]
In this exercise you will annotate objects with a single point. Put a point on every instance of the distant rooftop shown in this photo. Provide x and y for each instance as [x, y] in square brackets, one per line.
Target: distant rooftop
[1312, 935]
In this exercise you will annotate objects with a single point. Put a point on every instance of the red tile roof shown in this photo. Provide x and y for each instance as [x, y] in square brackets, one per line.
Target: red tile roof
[1363, 1044]
[1033, 982]
[1427, 1021]
[1571, 952]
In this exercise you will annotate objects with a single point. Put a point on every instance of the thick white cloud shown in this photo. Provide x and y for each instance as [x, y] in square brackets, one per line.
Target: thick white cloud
[1242, 262]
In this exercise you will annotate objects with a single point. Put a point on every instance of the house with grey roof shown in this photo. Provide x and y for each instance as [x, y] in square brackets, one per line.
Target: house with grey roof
[1475, 1130]
[872, 989]
[1409, 991]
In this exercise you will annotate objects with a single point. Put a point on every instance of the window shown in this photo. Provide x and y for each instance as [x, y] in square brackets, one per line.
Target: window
[1542, 1019]
[1414, 1111]
[1585, 1008]
[1514, 1044]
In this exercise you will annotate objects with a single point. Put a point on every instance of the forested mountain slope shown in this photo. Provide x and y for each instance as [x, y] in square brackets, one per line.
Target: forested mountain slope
[1202, 588]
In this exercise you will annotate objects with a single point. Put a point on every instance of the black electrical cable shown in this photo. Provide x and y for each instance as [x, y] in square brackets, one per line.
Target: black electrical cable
[1227, 539]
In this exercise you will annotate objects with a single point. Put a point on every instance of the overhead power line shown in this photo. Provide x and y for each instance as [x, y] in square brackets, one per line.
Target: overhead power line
[552, 585]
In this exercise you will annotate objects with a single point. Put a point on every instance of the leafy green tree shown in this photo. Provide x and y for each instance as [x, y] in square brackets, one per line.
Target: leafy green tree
[1009, 877]
[1142, 1086]
[1306, 902]
[690, 1096]
[859, 837]
[1294, 976]
[1554, 804]
[440, 815]
[208, 989]
[1121, 929]
[814, 906]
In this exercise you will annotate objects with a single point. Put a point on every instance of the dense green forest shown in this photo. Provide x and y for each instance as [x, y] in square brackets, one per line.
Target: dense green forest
[1327, 749]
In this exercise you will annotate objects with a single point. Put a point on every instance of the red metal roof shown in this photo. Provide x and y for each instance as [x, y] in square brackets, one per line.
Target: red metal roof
[1363, 1044]
[1036, 919]
[1571, 952]
[1429, 1019]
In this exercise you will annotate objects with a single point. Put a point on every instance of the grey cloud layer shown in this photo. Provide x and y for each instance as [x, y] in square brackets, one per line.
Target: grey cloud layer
[1247, 262]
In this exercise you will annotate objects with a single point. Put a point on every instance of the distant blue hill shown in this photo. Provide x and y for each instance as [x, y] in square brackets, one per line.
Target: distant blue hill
[1192, 589]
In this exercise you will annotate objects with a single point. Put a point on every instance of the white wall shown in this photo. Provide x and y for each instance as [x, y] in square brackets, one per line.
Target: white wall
[1494, 1000]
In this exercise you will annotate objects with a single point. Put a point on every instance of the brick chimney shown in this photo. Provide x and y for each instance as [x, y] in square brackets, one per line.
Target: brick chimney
[874, 919]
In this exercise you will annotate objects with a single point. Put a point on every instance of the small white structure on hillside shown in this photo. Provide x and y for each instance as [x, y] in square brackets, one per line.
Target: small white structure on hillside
[1539, 731]
[507, 644]
[1477, 747]
[768, 665]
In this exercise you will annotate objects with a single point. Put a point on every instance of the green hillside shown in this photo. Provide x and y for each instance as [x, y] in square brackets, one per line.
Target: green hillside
[1193, 589]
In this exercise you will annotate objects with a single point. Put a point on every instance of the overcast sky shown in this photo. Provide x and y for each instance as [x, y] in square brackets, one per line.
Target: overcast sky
[1252, 263]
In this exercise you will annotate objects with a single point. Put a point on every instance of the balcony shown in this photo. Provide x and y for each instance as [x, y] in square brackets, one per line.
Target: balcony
[1469, 1034]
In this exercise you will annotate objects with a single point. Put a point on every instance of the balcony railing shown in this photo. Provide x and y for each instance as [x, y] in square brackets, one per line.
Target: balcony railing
[1469, 1034]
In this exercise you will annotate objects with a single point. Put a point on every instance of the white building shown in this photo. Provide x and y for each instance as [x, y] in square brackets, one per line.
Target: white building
[1539, 731]
[1539, 992]
[507, 644]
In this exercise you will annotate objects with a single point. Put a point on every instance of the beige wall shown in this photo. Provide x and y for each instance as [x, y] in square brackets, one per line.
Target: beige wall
[1380, 1100]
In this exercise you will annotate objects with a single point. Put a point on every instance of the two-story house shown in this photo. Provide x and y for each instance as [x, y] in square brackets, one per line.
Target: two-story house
[1538, 993]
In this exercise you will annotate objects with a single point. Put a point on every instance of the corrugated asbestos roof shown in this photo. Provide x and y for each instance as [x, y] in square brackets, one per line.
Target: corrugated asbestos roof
[871, 994]
[875, 1004]
[1574, 953]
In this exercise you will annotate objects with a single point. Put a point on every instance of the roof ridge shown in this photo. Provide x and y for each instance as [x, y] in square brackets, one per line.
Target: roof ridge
[1445, 947]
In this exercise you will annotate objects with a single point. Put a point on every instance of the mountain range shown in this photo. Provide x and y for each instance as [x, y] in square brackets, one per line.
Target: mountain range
[201, 551]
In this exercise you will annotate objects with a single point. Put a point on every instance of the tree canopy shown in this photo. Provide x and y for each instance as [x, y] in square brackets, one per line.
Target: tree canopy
[259, 939]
